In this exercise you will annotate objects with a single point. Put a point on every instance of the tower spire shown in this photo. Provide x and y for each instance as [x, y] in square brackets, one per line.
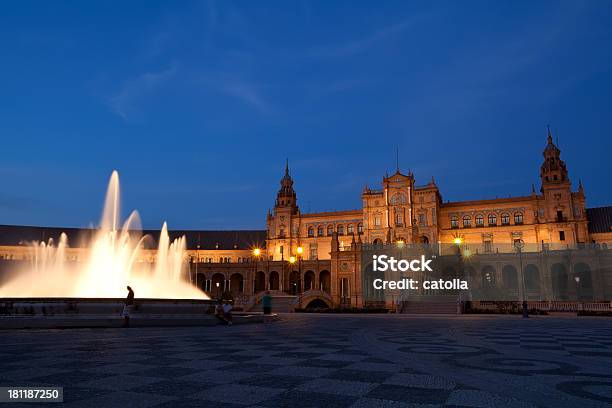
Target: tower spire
[550, 139]
[397, 159]
[287, 167]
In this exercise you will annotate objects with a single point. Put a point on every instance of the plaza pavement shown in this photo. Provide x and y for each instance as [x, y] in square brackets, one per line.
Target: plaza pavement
[323, 360]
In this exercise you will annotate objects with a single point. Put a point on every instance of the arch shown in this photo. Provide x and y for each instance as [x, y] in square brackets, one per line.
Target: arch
[317, 304]
[217, 285]
[311, 231]
[492, 219]
[294, 283]
[200, 280]
[467, 221]
[559, 281]
[330, 230]
[236, 283]
[584, 281]
[260, 281]
[309, 280]
[532, 278]
[510, 277]
[325, 281]
[340, 229]
[273, 281]
[505, 219]
[423, 239]
[320, 231]
[377, 241]
[479, 220]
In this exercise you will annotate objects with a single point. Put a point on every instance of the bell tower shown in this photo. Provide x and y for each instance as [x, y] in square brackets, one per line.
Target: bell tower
[286, 200]
[553, 171]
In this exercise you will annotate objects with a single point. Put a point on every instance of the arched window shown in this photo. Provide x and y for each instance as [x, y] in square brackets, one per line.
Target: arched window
[311, 231]
[398, 198]
[330, 230]
[467, 221]
[350, 229]
[340, 229]
[492, 220]
[454, 222]
[479, 220]
[360, 228]
[518, 218]
[320, 231]
[505, 219]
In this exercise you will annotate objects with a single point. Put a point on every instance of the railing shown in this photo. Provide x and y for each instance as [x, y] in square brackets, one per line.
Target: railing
[552, 306]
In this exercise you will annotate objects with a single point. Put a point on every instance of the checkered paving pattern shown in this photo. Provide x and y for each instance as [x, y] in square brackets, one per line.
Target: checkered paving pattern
[322, 361]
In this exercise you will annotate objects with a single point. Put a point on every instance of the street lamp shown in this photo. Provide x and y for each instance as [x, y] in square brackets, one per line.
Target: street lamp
[300, 251]
[519, 244]
[577, 279]
[292, 261]
[256, 254]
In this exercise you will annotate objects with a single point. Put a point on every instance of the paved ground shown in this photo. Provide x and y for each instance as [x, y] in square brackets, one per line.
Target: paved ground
[324, 360]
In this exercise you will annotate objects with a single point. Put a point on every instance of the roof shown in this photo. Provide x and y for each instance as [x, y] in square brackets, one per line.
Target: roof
[11, 235]
[600, 219]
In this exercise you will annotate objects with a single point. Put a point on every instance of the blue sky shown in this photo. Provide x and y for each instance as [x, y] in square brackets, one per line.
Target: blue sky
[197, 104]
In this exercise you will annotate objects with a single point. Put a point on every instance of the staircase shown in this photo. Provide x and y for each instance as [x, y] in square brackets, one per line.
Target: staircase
[430, 305]
[279, 303]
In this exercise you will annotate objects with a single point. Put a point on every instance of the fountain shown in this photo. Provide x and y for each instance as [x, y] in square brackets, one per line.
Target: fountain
[116, 256]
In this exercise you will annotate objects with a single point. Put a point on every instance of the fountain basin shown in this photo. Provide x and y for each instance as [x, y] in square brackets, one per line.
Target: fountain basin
[23, 313]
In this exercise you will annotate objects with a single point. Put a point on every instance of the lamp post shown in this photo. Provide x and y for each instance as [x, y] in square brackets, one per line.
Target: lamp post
[577, 279]
[519, 244]
[256, 254]
[300, 251]
[292, 261]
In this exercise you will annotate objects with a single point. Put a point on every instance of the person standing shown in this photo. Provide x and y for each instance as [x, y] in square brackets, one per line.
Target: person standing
[266, 302]
[227, 312]
[127, 308]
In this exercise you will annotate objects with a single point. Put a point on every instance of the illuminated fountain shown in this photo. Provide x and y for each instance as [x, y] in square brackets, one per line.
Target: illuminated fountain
[115, 257]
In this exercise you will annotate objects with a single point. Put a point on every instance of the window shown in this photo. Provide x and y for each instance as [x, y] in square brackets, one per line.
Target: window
[398, 198]
[488, 246]
[561, 235]
[422, 219]
[399, 218]
[559, 215]
[479, 220]
[340, 229]
[350, 229]
[505, 219]
[330, 230]
[518, 218]
[377, 220]
[360, 228]
[281, 233]
[313, 252]
[492, 219]
[467, 221]
[311, 231]
[454, 222]
[320, 231]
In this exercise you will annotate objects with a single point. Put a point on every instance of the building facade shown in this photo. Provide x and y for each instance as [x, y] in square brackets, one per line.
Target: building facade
[316, 256]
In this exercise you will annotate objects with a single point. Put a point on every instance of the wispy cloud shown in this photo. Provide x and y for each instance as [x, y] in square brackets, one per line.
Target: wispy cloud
[365, 43]
[246, 92]
[125, 102]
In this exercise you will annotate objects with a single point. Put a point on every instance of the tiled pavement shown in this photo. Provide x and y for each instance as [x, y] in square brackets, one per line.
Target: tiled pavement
[323, 360]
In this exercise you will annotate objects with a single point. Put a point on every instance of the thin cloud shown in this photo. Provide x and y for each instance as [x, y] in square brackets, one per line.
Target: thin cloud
[363, 44]
[248, 93]
[125, 103]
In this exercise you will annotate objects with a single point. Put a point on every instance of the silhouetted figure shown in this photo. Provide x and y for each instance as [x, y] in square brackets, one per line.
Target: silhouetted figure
[266, 302]
[227, 312]
[129, 302]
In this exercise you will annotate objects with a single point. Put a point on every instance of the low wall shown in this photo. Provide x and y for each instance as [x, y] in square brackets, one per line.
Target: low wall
[87, 312]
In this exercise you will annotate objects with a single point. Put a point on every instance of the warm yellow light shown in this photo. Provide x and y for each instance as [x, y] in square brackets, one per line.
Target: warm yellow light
[300, 250]
[458, 241]
[400, 243]
[467, 253]
[256, 251]
[292, 259]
